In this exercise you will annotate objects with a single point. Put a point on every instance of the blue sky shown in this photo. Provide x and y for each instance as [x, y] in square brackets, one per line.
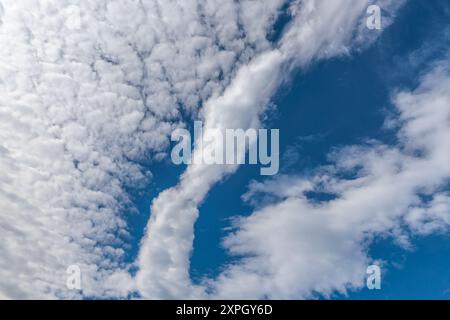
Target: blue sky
[90, 94]
[337, 102]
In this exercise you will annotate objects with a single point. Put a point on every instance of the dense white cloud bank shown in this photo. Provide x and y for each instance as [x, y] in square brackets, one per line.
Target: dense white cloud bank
[88, 89]
[320, 29]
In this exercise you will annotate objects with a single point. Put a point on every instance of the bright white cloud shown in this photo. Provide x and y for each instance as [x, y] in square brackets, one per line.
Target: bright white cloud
[320, 29]
[296, 247]
[87, 90]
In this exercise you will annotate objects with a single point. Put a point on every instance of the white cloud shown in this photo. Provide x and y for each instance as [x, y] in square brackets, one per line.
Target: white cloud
[295, 247]
[321, 29]
[87, 90]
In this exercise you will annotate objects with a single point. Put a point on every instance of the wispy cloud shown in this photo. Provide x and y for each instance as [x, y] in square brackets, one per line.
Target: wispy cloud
[295, 247]
[319, 29]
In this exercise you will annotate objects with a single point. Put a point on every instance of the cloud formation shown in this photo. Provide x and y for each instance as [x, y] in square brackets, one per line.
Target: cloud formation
[89, 91]
[298, 247]
[319, 29]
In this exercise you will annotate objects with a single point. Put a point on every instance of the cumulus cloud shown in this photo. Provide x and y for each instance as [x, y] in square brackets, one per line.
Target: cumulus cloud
[88, 91]
[319, 29]
[298, 247]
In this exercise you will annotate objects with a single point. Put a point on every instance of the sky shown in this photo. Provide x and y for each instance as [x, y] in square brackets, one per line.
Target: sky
[91, 92]
[339, 117]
